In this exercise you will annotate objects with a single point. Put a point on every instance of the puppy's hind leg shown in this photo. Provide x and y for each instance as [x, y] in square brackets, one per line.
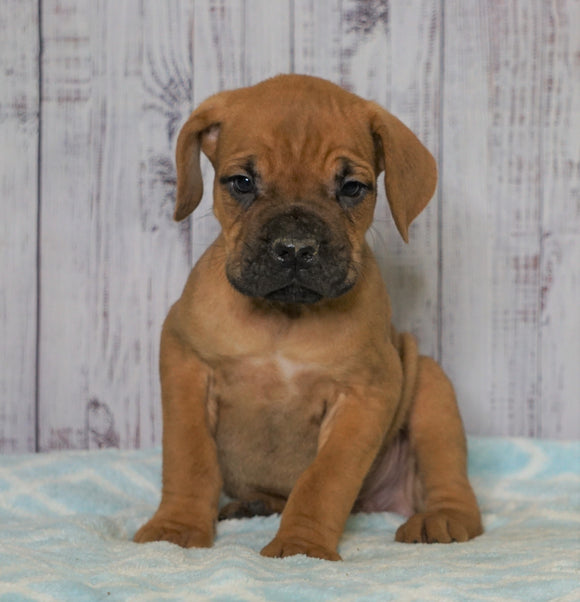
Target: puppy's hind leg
[448, 508]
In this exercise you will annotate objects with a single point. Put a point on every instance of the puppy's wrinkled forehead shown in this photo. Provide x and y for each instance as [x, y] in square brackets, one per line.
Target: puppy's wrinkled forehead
[293, 133]
[288, 132]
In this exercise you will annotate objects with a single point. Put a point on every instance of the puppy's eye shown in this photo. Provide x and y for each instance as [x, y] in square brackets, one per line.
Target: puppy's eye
[242, 185]
[352, 192]
[352, 189]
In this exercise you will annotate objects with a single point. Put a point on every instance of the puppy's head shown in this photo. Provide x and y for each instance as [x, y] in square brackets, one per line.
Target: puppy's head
[296, 161]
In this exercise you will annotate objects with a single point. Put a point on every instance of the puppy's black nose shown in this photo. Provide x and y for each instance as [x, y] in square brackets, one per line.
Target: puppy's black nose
[291, 252]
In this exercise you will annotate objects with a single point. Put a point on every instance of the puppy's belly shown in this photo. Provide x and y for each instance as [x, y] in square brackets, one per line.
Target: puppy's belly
[391, 484]
[267, 426]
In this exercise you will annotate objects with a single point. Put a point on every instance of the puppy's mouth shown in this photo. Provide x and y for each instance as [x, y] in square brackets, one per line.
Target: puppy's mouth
[294, 293]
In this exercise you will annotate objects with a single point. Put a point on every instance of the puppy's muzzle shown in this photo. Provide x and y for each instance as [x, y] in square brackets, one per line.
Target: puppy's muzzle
[294, 257]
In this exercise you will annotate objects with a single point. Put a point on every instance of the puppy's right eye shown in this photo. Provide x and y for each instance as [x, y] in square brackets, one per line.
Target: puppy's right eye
[242, 187]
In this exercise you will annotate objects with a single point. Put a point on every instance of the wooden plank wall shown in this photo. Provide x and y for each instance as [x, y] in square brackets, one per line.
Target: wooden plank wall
[92, 95]
[19, 138]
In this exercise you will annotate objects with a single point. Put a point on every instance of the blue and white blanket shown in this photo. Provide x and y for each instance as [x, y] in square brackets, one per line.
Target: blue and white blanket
[66, 522]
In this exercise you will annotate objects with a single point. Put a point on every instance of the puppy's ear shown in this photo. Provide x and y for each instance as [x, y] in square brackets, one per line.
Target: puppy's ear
[410, 169]
[200, 132]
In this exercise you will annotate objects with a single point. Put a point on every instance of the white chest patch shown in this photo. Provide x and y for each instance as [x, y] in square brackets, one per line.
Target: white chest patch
[286, 370]
[289, 369]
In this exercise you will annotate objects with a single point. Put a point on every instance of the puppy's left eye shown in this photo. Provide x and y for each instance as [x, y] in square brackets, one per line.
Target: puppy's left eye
[351, 192]
[242, 185]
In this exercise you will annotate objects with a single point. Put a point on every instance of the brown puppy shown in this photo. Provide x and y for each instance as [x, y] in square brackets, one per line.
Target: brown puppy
[282, 378]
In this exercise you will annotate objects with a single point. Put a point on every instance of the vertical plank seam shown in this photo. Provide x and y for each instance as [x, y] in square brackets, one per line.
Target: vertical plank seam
[341, 50]
[538, 377]
[292, 25]
[191, 40]
[38, 230]
[245, 81]
[440, 161]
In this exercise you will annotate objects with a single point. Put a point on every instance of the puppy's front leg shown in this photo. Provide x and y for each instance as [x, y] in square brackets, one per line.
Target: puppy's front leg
[318, 507]
[191, 476]
[448, 510]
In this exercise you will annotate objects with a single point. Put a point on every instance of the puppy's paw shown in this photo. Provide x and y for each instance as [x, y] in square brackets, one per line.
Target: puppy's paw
[184, 535]
[281, 548]
[439, 527]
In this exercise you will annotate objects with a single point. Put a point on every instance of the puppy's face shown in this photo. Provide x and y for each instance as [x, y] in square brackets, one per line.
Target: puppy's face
[295, 194]
[296, 161]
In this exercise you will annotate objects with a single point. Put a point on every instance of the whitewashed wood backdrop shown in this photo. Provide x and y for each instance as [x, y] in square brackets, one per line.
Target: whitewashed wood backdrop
[92, 94]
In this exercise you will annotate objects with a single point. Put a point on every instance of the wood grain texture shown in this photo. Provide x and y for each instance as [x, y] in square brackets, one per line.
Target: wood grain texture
[116, 90]
[317, 38]
[559, 389]
[19, 48]
[491, 212]
[66, 227]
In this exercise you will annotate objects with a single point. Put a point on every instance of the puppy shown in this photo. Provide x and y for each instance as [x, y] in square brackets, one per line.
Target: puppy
[283, 381]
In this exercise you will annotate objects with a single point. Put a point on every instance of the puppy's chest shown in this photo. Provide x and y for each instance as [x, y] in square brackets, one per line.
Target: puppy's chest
[266, 414]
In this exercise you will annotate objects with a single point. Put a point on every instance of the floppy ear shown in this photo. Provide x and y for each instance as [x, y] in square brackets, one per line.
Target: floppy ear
[200, 132]
[410, 169]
